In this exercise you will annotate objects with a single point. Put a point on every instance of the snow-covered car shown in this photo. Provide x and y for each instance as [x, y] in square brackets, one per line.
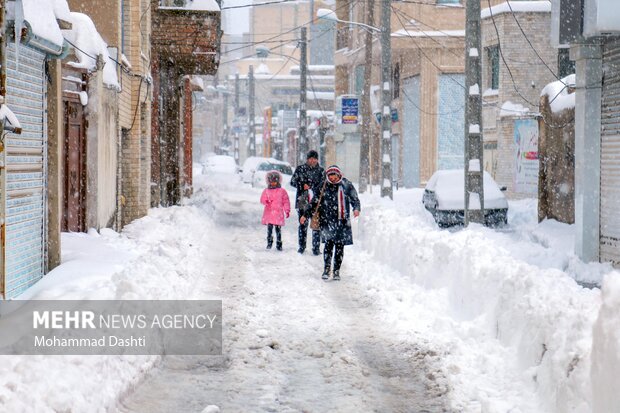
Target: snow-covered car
[444, 198]
[260, 174]
[222, 164]
[249, 167]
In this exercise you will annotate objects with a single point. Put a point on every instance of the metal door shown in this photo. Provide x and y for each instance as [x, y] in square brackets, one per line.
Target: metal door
[24, 183]
[74, 171]
[411, 132]
[610, 156]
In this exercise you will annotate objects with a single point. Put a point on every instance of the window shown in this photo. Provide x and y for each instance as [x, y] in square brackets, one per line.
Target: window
[493, 56]
[396, 81]
[359, 80]
[448, 1]
[565, 65]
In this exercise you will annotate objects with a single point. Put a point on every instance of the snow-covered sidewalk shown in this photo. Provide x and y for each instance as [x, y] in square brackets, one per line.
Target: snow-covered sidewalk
[432, 320]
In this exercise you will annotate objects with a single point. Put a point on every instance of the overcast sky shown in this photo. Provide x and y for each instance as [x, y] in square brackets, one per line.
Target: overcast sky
[236, 21]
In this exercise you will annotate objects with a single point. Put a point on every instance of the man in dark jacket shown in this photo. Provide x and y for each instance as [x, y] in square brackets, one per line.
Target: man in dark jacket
[307, 178]
[339, 197]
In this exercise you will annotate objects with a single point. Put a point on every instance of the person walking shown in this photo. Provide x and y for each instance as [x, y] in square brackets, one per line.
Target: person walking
[334, 201]
[307, 178]
[277, 208]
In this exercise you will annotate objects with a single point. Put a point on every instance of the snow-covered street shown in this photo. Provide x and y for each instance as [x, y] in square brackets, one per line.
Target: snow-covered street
[292, 341]
[424, 320]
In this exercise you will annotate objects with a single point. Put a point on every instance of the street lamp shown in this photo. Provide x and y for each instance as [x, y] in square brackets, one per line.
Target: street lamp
[386, 115]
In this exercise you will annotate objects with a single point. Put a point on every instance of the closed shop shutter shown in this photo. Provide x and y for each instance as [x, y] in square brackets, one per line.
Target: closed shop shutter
[610, 156]
[411, 132]
[23, 185]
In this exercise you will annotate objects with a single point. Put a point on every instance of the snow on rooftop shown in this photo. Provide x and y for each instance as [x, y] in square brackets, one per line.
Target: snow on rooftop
[517, 7]
[558, 95]
[512, 109]
[198, 5]
[197, 82]
[42, 18]
[262, 69]
[85, 36]
[428, 33]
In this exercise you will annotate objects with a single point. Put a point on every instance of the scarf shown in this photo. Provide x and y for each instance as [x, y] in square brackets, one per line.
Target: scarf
[341, 203]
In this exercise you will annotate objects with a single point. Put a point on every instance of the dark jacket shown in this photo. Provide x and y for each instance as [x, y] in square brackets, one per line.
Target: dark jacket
[333, 228]
[304, 174]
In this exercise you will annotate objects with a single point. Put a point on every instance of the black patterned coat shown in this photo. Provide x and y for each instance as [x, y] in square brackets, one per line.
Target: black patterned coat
[333, 228]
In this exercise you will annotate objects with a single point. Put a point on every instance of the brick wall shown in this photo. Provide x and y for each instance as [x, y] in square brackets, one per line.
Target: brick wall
[520, 82]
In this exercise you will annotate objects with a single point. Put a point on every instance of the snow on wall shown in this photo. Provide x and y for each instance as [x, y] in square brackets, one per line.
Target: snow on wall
[518, 7]
[85, 36]
[199, 5]
[558, 95]
[540, 314]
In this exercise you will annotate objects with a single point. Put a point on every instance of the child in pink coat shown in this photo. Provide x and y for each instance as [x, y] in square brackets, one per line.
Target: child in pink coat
[277, 208]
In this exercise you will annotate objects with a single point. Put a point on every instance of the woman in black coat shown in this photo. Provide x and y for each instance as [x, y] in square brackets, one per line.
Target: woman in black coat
[337, 199]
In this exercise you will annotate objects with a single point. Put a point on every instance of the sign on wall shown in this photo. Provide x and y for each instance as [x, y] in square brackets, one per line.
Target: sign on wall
[350, 110]
[526, 144]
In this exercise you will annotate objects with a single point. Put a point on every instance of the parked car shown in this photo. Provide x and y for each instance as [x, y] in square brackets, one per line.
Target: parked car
[249, 167]
[284, 168]
[444, 198]
[222, 164]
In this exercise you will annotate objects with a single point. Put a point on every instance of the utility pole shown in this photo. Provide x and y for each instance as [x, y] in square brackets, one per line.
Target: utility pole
[366, 110]
[474, 188]
[303, 142]
[236, 119]
[251, 113]
[386, 117]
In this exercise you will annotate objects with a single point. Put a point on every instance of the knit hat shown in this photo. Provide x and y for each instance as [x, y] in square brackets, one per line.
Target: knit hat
[312, 154]
[334, 170]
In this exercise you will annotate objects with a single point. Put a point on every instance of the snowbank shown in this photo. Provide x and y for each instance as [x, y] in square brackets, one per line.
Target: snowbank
[606, 350]
[558, 95]
[539, 315]
[90, 44]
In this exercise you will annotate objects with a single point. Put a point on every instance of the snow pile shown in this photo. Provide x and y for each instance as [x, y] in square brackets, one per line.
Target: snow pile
[6, 113]
[606, 350]
[559, 97]
[535, 310]
[262, 69]
[512, 109]
[89, 44]
[161, 256]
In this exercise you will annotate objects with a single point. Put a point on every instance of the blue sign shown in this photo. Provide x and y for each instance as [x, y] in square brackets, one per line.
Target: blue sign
[350, 111]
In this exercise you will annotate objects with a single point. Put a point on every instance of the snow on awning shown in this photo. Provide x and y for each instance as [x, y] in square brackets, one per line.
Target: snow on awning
[517, 7]
[197, 5]
[89, 44]
[41, 17]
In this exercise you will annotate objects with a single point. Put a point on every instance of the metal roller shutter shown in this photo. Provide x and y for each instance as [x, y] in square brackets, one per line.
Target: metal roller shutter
[610, 156]
[24, 182]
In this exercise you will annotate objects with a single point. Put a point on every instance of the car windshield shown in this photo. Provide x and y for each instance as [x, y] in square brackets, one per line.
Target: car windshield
[283, 169]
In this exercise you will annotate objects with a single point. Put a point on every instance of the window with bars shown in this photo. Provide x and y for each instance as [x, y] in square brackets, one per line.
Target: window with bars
[493, 60]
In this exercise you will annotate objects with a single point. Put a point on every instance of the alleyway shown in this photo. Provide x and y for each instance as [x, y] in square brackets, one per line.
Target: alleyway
[292, 342]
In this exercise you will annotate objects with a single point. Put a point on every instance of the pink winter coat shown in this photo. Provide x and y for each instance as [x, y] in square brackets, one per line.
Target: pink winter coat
[277, 206]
